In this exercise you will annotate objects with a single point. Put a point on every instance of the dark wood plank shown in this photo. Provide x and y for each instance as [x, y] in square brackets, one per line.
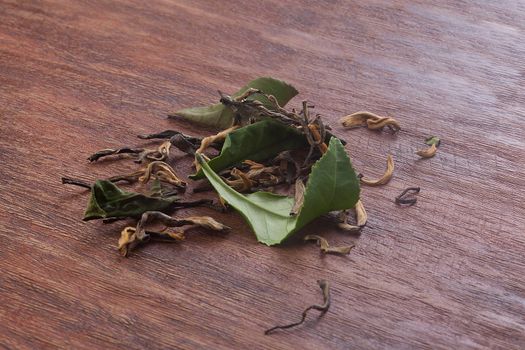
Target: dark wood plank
[447, 273]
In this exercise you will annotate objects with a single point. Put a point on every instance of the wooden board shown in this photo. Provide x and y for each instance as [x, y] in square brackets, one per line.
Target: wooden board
[77, 76]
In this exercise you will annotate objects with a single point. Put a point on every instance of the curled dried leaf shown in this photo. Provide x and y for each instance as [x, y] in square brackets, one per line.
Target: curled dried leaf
[378, 124]
[128, 240]
[428, 152]
[112, 151]
[253, 165]
[183, 144]
[360, 213]
[131, 237]
[405, 197]
[207, 141]
[325, 247]
[361, 218]
[386, 176]
[344, 225]
[220, 136]
[163, 172]
[160, 154]
[298, 197]
[325, 288]
[206, 222]
[241, 181]
[318, 138]
[358, 119]
[254, 178]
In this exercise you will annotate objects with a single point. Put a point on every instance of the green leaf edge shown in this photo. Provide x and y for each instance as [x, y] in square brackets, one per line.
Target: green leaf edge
[224, 116]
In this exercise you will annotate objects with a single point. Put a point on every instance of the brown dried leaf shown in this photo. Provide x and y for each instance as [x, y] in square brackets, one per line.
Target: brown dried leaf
[385, 178]
[358, 119]
[325, 247]
[428, 152]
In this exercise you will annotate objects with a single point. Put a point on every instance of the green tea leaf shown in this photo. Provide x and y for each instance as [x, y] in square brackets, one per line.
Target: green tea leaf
[257, 142]
[107, 200]
[281, 90]
[218, 115]
[433, 140]
[333, 185]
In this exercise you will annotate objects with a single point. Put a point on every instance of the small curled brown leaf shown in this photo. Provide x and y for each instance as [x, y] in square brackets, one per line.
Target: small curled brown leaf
[325, 247]
[385, 178]
[428, 152]
[130, 237]
[358, 119]
[361, 218]
[378, 124]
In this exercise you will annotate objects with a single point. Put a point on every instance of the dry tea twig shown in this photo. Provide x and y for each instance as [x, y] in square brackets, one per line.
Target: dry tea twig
[75, 182]
[325, 288]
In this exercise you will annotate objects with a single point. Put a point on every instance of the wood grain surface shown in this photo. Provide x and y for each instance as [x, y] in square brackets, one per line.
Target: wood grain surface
[78, 76]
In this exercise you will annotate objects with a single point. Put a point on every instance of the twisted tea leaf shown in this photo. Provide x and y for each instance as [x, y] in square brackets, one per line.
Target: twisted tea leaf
[109, 201]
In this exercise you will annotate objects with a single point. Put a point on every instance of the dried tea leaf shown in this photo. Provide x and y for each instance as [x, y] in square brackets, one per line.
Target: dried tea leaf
[163, 172]
[407, 196]
[298, 197]
[325, 247]
[385, 178]
[112, 151]
[378, 124]
[370, 120]
[332, 185]
[361, 215]
[361, 218]
[107, 200]
[358, 119]
[428, 152]
[220, 116]
[133, 236]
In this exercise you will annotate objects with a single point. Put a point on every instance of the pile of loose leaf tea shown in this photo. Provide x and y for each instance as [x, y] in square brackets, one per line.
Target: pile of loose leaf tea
[279, 168]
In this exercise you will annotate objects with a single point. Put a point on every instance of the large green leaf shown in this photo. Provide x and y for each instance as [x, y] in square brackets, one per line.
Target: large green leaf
[333, 185]
[107, 200]
[257, 142]
[219, 116]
